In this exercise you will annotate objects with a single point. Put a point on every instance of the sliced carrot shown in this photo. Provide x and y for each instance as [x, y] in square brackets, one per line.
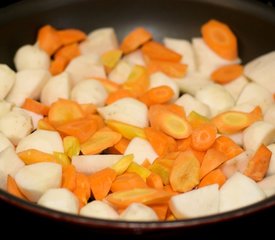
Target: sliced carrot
[58, 65]
[48, 39]
[69, 52]
[156, 51]
[171, 69]
[172, 155]
[161, 143]
[121, 166]
[234, 121]
[138, 169]
[100, 141]
[138, 81]
[35, 106]
[203, 137]
[226, 74]
[157, 95]
[214, 177]
[168, 122]
[63, 111]
[169, 189]
[128, 181]
[45, 124]
[110, 58]
[13, 189]
[161, 210]
[118, 94]
[219, 37]
[32, 156]
[176, 109]
[154, 181]
[69, 36]
[101, 182]
[212, 159]
[199, 154]
[258, 164]
[82, 129]
[227, 146]
[196, 120]
[184, 175]
[82, 190]
[148, 196]
[162, 167]
[99, 120]
[121, 145]
[135, 39]
[69, 177]
[126, 130]
[184, 144]
[146, 164]
[255, 115]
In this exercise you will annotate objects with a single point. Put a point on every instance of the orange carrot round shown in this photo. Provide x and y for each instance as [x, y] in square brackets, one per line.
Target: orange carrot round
[226, 74]
[219, 37]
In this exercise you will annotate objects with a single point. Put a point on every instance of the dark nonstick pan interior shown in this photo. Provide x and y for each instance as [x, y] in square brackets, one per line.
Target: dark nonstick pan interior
[253, 23]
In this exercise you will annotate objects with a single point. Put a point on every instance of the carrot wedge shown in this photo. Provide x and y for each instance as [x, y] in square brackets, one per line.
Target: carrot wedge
[58, 65]
[219, 37]
[156, 51]
[148, 196]
[226, 74]
[69, 177]
[212, 159]
[135, 39]
[82, 189]
[49, 39]
[118, 94]
[32, 156]
[13, 189]
[68, 52]
[100, 141]
[214, 177]
[69, 36]
[101, 182]
[35, 106]
[258, 164]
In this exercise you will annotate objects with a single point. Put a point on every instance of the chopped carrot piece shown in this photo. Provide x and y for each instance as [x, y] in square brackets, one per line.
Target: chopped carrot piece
[13, 189]
[146, 164]
[121, 166]
[255, 115]
[199, 154]
[219, 37]
[214, 177]
[196, 120]
[171, 69]
[82, 129]
[185, 172]
[154, 181]
[161, 143]
[162, 167]
[69, 177]
[138, 81]
[157, 95]
[35, 106]
[234, 121]
[227, 146]
[203, 137]
[156, 51]
[48, 39]
[121, 145]
[99, 120]
[128, 181]
[138, 169]
[45, 124]
[101, 182]
[63, 111]
[88, 108]
[135, 39]
[184, 144]
[118, 94]
[100, 141]
[258, 164]
[58, 65]
[212, 159]
[32, 156]
[161, 210]
[172, 155]
[68, 52]
[169, 189]
[108, 84]
[226, 74]
[148, 196]
[126, 130]
[82, 189]
[70, 36]
[110, 58]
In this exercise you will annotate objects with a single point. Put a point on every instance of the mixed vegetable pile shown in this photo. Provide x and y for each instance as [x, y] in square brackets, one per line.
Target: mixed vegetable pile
[141, 131]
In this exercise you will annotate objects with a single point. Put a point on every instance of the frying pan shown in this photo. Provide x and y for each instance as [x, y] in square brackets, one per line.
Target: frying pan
[252, 22]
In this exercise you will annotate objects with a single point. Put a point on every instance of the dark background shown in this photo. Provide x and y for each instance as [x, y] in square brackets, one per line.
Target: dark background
[19, 223]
